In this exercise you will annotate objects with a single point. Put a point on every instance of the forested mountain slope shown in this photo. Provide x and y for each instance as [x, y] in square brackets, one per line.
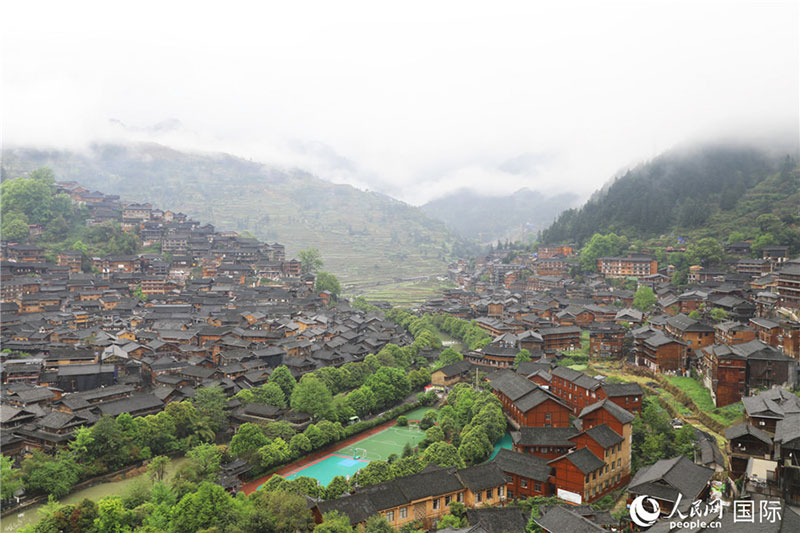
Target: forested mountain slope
[709, 191]
[363, 236]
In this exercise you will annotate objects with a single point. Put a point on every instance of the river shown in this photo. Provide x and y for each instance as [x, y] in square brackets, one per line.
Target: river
[451, 342]
[95, 492]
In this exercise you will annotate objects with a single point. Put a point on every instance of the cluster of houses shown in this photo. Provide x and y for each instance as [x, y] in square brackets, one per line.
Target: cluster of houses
[737, 330]
[764, 450]
[137, 332]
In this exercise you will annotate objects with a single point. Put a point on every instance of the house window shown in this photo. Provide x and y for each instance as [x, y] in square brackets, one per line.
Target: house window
[390, 516]
[619, 463]
[537, 487]
[488, 494]
[447, 500]
[404, 512]
[587, 478]
[500, 492]
[479, 497]
[524, 483]
[435, 504]
[460, 497]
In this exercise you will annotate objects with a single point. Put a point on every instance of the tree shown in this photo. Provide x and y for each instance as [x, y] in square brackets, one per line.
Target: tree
[139, 294]
[334, 522]
[475, 446]
[10, 481]
[339, 486]
[390, 385]
[378, 524]
[107, 444]
[299, 444]
[428, 420]
[644, 299]
[247, 441]
[372, 474]
[402, 421]
[434, 434]
[442, 454]
[55, 476]
[524, 356]
[361, 400]
[205, 460]
[312, 396]
[310, 260]
[212, 403]
[282, 377]
[157, 468]
[274, 453]
[695, 314]
[328, 282]
[112, 517]
[210, 506]
[707, 250]
[449, 521]
[14, 228]
[281, 512]
[718, 314]
[449, 356]
[601, 246]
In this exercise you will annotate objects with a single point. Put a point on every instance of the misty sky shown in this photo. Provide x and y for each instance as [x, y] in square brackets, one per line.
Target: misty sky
[413, 99]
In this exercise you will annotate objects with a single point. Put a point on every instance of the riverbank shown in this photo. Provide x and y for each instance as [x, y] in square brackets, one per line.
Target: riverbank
[112, 484]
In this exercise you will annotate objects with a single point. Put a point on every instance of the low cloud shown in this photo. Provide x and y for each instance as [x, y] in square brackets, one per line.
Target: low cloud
[411, 105]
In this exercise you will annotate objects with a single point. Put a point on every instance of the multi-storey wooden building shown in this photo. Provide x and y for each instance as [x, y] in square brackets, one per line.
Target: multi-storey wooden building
[789, 284]
[527, 404]
[623, 267]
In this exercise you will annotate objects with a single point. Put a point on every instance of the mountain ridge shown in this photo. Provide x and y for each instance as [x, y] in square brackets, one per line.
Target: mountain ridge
[711, 190]
[363, 235]
[489, 218]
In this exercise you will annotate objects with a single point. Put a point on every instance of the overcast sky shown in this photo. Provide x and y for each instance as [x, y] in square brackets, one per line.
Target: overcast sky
[413, 99]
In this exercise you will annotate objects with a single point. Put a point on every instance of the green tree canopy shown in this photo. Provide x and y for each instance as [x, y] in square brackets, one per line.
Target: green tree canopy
[524, 356]
[644, 299]
[312, 396]
[328, 282]
[310, 260]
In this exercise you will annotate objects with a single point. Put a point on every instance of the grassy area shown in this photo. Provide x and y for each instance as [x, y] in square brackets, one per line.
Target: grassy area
[404, 293]
[702, 398]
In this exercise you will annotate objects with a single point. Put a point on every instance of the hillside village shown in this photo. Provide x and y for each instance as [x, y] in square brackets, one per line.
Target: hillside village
[557, 397]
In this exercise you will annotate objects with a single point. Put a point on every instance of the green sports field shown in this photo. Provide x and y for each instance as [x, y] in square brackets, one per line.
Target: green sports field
[381, 445]
[417, 413]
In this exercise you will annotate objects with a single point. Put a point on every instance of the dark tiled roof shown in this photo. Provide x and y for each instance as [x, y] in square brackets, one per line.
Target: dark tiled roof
[482, 477]
[561, 520]
[604, 435]
[614, 390]
[586, 461]
[498, 519]
[544, 436]
[522, 464]
[512, 385]
[616, 411]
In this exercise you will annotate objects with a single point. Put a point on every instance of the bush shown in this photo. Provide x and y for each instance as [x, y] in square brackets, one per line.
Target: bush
[402, 421]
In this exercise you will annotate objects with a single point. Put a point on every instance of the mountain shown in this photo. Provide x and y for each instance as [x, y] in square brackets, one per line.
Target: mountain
[363, 236]
[489, 218]
[706, 191]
